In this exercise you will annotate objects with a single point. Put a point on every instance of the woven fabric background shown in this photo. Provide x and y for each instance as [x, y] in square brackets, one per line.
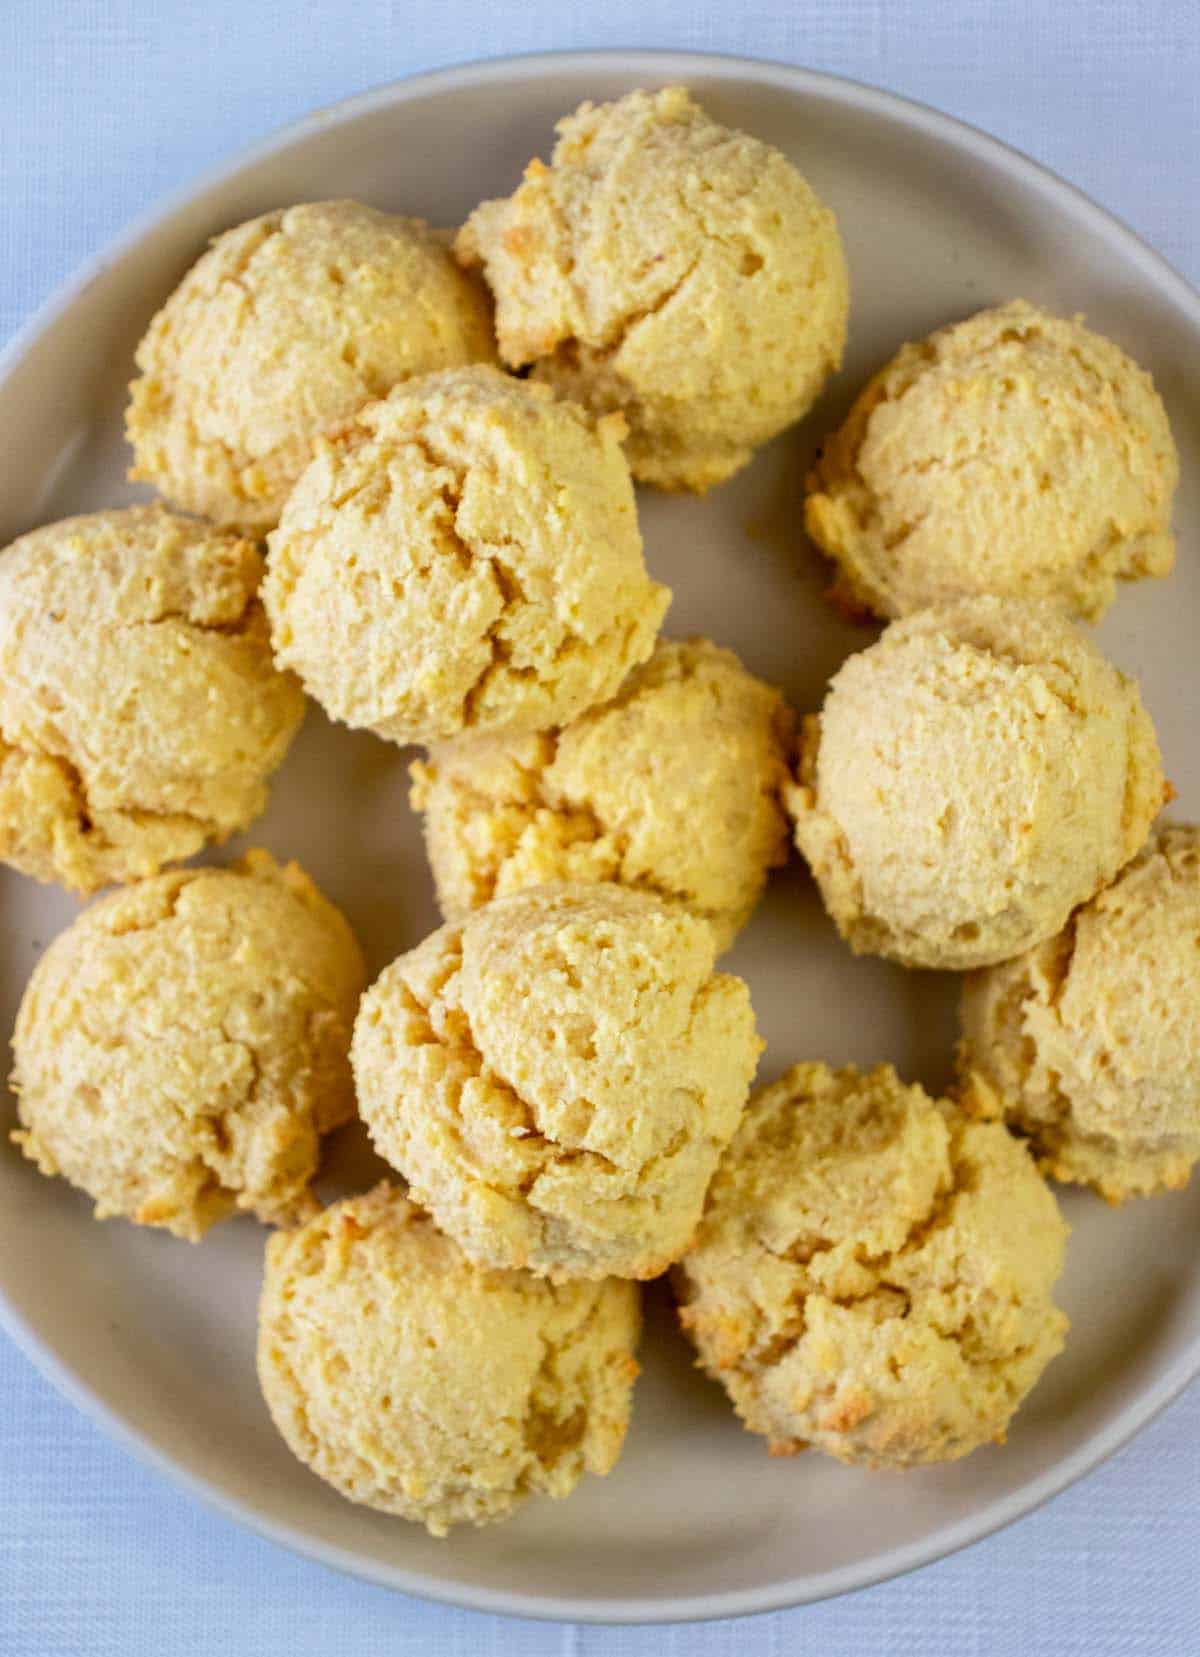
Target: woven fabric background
[106, 104]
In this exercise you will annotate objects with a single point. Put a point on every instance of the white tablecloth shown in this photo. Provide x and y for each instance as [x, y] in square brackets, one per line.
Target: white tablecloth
[105, 104]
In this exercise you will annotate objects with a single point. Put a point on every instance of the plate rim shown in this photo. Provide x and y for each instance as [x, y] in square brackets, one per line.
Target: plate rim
[652, 64]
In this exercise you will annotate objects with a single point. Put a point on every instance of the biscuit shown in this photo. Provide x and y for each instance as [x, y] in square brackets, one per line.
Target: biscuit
[181, 1047]
[140, 710]
[285, 327]
[671, 787]
[1090, 1043]
[419, 1384]
[971, 778]
[556, 1076]
[1015, 453]
[873, 1274]
[670, 269]
[464, 557]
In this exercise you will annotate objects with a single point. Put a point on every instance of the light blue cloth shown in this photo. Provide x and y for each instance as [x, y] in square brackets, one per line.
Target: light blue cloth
[104, 105]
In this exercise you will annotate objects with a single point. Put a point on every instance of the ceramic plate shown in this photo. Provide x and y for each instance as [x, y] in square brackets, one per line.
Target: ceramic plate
[154, 1336]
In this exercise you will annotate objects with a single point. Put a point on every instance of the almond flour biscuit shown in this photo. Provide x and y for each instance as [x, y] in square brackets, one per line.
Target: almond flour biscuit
[873, 1274]
[1015, 453]
[182, 1046]
[1090, 1043]
[556, 1076]
[419, 1384]
[672, 787]
[286, 326]
[673, 270]
[972, 777]
[465, 556]
[140, 710]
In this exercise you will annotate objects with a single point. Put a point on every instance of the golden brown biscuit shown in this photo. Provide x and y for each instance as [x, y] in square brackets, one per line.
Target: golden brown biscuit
[285, 327]
[140, 710]
[672, 787]
[673, 270]
[465, 557]
[972, 777]
[182, 1046]
[1015, 453]
[1090, 1043]
[873, 1273]
[556, 1077]
[417, 1383]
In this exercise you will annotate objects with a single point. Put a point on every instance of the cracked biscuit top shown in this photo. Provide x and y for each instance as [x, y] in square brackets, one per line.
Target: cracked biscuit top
[140, 710]
[463, 556]
[873, 1273]
[673, 787]
[420, 1384]
[1090, 1044]
[556, 1077]
[973, 776]
[287, 325]
[672, 269]
[182, 1046]
[1015, 453]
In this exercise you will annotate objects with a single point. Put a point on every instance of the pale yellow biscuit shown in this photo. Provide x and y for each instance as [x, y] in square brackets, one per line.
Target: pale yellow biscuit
[465, 557]
[1090, 1044]
[556, 1077]
[182, 1046]
[672, 787]
[140, 710]
[873, 1274]
[286, 326]
[972, 777]
[674, 270]
[417, 1383]
[1015, 453]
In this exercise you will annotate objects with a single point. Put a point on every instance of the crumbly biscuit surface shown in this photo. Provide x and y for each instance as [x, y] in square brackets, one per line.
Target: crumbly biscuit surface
[873, 1274]
[140, 710]
[286, 326]
[182, 1046]
[1091, 1042]
[464, 557]
[556, 1076]
[674, 787]
[430, 1388]
[1016, 453]
[972, 777]
[673, 270]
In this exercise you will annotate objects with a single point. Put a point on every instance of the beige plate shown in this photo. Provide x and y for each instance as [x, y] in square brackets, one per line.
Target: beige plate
[155, 1337]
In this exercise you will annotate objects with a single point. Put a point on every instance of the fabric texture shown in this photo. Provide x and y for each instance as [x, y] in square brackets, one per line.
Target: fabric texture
[107, 104]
